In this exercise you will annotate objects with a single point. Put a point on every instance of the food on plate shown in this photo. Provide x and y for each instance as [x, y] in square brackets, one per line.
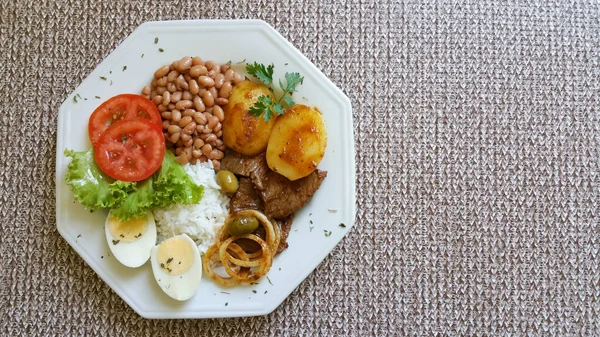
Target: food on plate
[297, 143]
[130, 150]
[240, 265]
[227, 181]
[199, 220]
[243, 132]
[190, 95]
[280, 196]
[120, 107]
[177, 266]
[130, 241]
[204, 162]
[95, 190]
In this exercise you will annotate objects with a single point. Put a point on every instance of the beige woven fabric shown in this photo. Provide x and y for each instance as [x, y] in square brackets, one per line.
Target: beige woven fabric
[477, 132]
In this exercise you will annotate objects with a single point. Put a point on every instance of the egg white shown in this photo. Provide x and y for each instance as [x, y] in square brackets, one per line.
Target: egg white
[183, 286]
[135, 253]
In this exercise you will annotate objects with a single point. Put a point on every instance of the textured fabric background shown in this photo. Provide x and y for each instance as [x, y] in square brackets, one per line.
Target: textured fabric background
[477, 131]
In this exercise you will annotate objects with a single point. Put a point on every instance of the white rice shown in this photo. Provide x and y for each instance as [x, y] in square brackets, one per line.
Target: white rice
[200, 221]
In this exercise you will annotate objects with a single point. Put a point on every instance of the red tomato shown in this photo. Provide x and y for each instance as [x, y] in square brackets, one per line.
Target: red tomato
[130, 150]
[126, 106]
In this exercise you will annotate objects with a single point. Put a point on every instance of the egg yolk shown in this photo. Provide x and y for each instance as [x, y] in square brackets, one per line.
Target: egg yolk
[175, 255]
[127, 231]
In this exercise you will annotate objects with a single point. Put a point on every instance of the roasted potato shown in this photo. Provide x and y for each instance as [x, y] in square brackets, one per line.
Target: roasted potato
[297, 142]
[243, 132]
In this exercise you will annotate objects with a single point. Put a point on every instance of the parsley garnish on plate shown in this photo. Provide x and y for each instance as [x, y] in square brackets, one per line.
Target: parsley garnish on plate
[265, 105]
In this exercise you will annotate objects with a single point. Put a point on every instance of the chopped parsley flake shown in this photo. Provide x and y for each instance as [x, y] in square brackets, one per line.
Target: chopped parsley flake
[161, 50]
[226, 303]
[78, 236]
[342, 225]
[327, 233]
[268, 279]
[311, 228]
[254, 291]
[226, 293]
[115, 242]
[103, 78]
[97, 97]
[265, 291]
[121, 235]
[332, 210]
[169, 260]
[156, 40]
[142, 56]
[311, 222]
[124, 68]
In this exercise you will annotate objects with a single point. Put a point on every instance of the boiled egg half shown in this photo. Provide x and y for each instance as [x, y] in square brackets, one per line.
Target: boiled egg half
[131, 241]
[177, 266]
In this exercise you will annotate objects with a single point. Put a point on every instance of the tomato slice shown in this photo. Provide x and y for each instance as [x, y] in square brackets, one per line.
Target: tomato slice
[125, 106]
[130, 150]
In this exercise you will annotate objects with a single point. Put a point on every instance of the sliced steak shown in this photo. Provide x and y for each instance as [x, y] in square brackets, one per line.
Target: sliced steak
[283, 197]
[244, 165]
[246, 197]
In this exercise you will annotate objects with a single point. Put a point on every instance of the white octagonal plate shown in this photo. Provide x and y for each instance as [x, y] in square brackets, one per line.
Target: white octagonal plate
[316, 229]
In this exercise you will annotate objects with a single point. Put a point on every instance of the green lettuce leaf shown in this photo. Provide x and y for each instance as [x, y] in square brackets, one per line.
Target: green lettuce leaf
[95, 190]
[90, 186]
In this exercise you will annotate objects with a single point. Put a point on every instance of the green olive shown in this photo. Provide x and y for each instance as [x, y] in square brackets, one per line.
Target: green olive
[242, 224]
[227, 181]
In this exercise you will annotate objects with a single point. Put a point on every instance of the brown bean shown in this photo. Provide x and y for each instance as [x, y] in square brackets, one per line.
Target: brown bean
[176, 96]
[225, 90]
[166, 114]
[162, 82]
[198, 143]
[185, 137]
[171, 87]
[184, 121]
[211, 138]
[218, 112]
[183, 104]
[162, 71]
[173, 65]
[189, 143]
[203, 135]
[160, 90]
[199, 118]
[178, 151]
[211, 65]
[219, 80]
[157, 99]
[181, 159]
[175, 137]
[212, 154]
[218, 127]
[206, 81]
[219, 134]
[229, 75]
[187, 77]
[199, 104]
[196, 61]
[206, 131]
[193, 86]
[199, 129]
[171, 106]
[154, 83]
[214, 92]
[216, 164]
[189, 112]
[237, 78]
[184, 64]
[196, 153]
[166, 124]
[203, 159]
[162, 108]
[146, 90]
[198, 70]
[212, 122]
[175, 115]
[206, 148]
[208, 99]
[173, 129]
[189, 129]
[166, 98]
[172, 75]
[187, 95]
[221, 101]
[182, 83]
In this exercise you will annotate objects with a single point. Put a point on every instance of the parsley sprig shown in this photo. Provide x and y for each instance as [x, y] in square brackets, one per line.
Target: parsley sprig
[266, 106]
